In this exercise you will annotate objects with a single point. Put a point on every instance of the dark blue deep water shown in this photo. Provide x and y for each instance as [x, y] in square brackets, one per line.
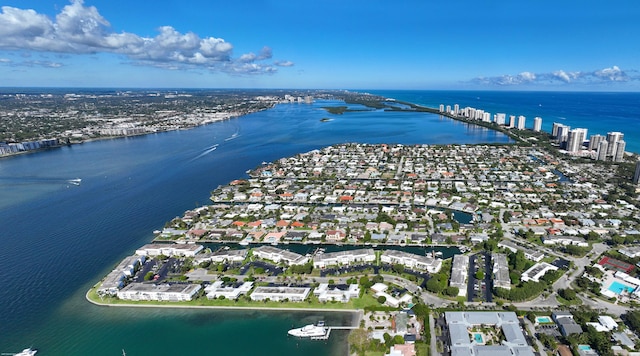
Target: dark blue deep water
[57, 239]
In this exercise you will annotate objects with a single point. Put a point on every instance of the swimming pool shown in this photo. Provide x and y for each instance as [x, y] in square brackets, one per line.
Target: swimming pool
[584, 347]
[617, 287]
[543, 319]
[478, 338]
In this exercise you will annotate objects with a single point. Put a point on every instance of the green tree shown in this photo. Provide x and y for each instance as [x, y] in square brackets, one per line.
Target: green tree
[434, 286]
[358, 339]
[398, 268]
[451, 291]
[365, 283]
[568, 294]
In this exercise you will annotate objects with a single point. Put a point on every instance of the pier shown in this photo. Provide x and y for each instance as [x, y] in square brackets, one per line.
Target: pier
[328, 333]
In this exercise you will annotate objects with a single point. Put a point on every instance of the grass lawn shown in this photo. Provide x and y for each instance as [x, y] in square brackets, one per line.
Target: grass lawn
[310, 303]
[563, 301]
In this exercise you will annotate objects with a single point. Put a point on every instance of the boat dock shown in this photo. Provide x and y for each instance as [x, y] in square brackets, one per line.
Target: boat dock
[326, 335]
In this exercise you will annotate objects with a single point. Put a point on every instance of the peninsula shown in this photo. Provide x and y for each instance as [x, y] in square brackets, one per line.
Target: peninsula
[387, 228]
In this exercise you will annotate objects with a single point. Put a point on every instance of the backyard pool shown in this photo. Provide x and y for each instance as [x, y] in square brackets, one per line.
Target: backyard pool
[543, 319]
[617, 287]
[584, 347]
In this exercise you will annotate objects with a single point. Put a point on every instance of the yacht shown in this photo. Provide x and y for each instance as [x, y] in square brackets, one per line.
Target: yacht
[27, 352]
[310, 330]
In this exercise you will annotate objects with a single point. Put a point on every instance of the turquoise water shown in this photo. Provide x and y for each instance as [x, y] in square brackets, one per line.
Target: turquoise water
[543, 319]
[584, 347]
[617, 287]
[598, 112]
[478, 338]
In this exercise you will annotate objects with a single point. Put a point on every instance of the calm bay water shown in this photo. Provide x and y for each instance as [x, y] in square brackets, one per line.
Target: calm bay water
[57, 239]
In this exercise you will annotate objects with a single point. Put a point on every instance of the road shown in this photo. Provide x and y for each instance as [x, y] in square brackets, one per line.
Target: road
[432, 330]
[532, 331]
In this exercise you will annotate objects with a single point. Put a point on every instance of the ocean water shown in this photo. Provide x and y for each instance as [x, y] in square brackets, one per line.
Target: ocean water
[57, 239]
[598, 112]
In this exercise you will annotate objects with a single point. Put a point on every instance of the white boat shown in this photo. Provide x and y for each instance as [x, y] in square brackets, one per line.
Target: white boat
[27, 352]
[309, 330]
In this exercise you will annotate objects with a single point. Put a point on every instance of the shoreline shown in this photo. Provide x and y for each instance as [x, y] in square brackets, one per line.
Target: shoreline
[357, 314]
[104, 138]
[220, 307]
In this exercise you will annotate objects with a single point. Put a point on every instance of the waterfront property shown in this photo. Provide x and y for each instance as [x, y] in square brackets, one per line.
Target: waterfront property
[326, 293]
[344, 258]
[278, 255]
[114, 281]
[178, 292]
[427, 263]
[292, 294]
[220, 289]
[380, 290]
[156, 249]
[222, 256]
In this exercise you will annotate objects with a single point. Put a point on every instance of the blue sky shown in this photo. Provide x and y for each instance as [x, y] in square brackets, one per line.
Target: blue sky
[354, 44]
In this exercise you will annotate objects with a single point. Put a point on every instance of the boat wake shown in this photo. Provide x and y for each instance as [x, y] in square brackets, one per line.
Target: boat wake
[33, 180]
[205, 152]
[232, 137]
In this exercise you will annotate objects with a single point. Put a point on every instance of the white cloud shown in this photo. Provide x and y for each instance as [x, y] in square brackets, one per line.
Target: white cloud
[527, 76]
[601, 76]
[80, 29]
[284, 63]
[612, 74]
[562, 75]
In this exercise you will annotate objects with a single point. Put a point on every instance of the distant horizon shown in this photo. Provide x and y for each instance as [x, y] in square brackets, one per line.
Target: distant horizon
[357, 90]
[411, 45]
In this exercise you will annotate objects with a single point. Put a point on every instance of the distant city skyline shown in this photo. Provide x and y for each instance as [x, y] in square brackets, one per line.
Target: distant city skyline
[501, 45]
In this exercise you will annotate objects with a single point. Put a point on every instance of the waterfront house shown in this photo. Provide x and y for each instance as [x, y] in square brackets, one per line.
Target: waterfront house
[344, 258]
[280, 293]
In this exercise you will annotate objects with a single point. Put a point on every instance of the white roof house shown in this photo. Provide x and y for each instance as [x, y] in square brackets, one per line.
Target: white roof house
[277, 255]
[326, 293]
[188, 250]
[162, 292]
[218, 289]
[293, 294]
[428, 263]
[537, 271]
[344, 257]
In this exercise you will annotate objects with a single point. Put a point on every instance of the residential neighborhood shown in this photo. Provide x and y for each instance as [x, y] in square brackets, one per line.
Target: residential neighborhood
[510, 237]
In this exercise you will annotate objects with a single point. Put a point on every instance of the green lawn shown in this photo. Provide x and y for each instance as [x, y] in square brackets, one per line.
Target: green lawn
[310, 303]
